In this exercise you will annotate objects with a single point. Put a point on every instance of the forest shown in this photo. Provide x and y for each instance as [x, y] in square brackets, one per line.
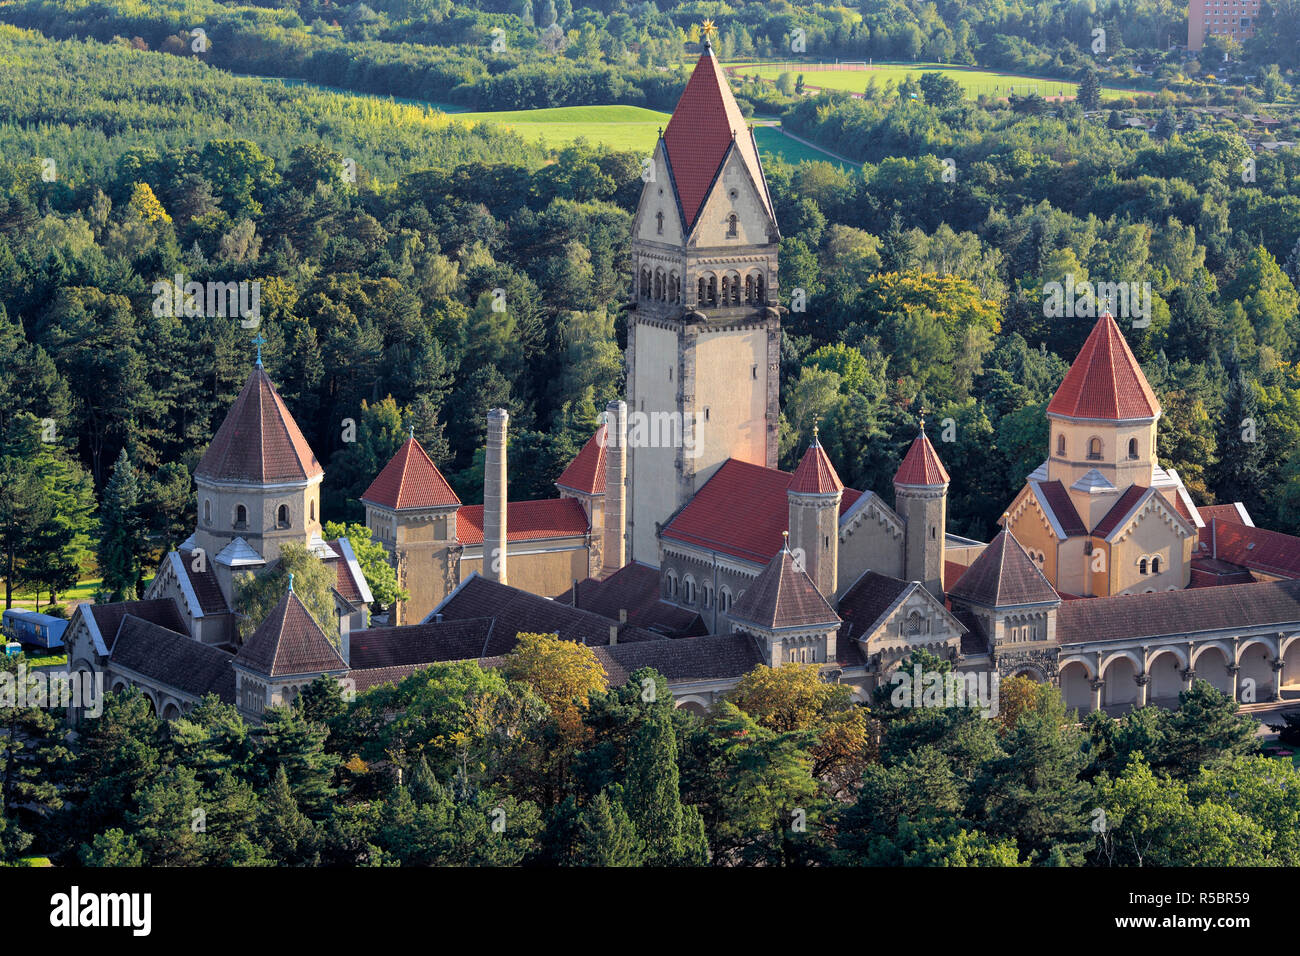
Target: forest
[536, 762]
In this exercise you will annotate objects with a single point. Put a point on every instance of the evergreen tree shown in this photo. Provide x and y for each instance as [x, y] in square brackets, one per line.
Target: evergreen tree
[122, 533]
[1089, 95]
[287, 834]
[1239, 473]
[606, 835]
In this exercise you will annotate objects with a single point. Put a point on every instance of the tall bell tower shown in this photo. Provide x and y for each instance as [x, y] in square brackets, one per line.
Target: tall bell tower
[704, 333]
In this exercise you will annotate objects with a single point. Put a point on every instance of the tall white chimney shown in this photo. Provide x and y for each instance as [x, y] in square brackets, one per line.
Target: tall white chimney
[615, 546]
[494, 497]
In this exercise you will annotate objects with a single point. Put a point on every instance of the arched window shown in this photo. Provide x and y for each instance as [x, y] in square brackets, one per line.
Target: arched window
[758, 284]
[749, 288]
[1060, 444]
[241, 516]
[726, 288]
[207, 511]
[703, 295]
[1132, 447]
[724, 599]
[670, 585]
[735, 289]
[313, 510]
[914, 624]
[659, 219]
[1155, 565]
[645, 283]
[282, 516]
[659, 285]
[1094, 449]
[674, 287]
[713, 290]
[733, 224]
[688, 589]
[1142, 566]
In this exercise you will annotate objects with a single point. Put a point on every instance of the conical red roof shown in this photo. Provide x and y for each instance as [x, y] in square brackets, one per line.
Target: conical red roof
[1105, 382]
[705, 122]
[411, 480]
[815, 474]
[921, 464]
[586, 473]
[783, 595]
[259, 441]
[1003, 576]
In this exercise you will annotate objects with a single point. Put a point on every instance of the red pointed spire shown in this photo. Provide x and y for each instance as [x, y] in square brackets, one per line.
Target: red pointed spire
[586, 473]
[259, 441]
[411, 480]
[921, 464]
[815, 474]
[705, 122]
[1105, 382]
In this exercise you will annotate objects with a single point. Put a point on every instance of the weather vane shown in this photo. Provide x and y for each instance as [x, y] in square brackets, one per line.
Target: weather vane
[259, 342]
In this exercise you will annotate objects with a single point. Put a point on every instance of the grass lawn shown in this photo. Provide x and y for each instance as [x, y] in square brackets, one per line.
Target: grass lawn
[974, 82]
[621, 127]
[85, 591]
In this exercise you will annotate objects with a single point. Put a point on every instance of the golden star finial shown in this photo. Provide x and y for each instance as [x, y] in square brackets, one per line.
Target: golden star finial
[708, 29]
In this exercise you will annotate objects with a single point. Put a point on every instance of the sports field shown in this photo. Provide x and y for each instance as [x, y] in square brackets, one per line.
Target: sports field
[622, 127]
[855, 79]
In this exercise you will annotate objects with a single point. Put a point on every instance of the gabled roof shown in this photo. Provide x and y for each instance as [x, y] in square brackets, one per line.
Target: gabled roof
[705, 123]
[586, 473]
[172, 659]
[708, 520]
[1003, 576]
[1183, 612]
[160, 611]
[1105, 382]
[513, 611]
[288, 642]
[413, 644]
[637, 589]
[1055, 500]
[921, 464]
[1269, 552]
[527, 520]
[1234, 513]
[815, 474]
[259, 442]
[1127, 503]
[410, 480]
[783, 595]
[710, 657]
[203, 584]
[870, 598]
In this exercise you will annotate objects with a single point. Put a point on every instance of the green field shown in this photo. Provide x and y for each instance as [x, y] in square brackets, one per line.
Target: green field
[974, 82]
[622, 127]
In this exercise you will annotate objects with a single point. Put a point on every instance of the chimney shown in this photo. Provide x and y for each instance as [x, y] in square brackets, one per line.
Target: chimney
[345, 639]
[615, 546]
[613, 634]
[622, 615]
[494, 497]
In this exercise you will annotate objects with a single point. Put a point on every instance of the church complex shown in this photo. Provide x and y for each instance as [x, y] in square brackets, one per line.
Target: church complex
[675, 542]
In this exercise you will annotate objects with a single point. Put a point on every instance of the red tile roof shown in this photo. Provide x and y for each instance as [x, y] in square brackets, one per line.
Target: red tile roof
[705, 122]
[1105, 381]
[1126, 502]
[709, 519]
[1003, 576]
[1269, 552]
[921, 464]
[815, 474]
[259, 441]
[783, 596]
[1234, 513]
[952, 572]
[586, 473]
[527, 520]
[289, 641]
[411, 480]
[344, 582]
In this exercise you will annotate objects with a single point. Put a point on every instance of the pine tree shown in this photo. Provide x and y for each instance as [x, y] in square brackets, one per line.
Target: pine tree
[285, 831]
[606, 835]
[1239, 474]
[1089, 96]
[122, 533]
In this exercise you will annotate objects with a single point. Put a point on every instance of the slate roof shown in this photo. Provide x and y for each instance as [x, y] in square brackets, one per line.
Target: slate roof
[259, 442]
[514, 611]
[288, 642]
[741, 511]
[1269, 552]
[1105, 382]
[871, 596]
[410, 480]
[815, 474]
[705, 123]
[1003, 576]
[921, 464]
[711, 657]
[586, 473]
[783, 595]
[204, 583]
[527, 520]
[1187, 611]
[367, 678]
[1122, 506]
[412, 644]
[1057, 499]
[635, 588]
[173, 659]
[160, 611]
